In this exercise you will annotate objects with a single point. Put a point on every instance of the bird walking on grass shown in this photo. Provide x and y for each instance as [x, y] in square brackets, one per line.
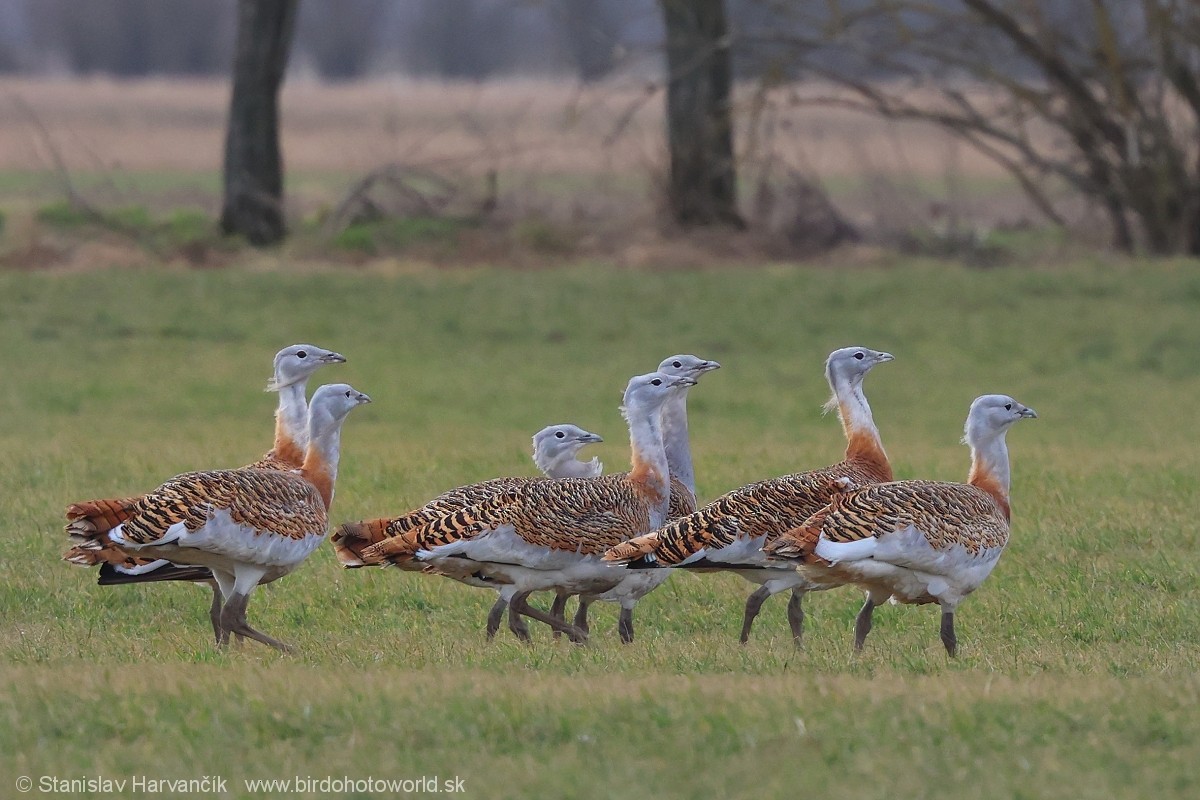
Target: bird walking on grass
[91, 520]
[730, 532]
[677, 444]
[555, 452]
[248, 526]
[549, 534]
[917, 541]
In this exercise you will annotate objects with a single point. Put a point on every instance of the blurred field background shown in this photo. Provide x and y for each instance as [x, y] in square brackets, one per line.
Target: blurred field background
[1079, 655]
[527, 172]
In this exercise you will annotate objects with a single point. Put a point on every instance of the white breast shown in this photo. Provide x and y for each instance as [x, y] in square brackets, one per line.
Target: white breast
[220, 540]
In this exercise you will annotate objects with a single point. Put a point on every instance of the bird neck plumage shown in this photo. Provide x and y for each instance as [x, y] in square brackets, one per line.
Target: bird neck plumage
[566, 465]
[675, 441]
[862, 437]
[321, 459]
[649, 473]
[990, 469]
[291, 425]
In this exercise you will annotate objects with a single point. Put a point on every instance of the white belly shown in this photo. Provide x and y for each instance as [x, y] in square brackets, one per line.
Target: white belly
[221, 542]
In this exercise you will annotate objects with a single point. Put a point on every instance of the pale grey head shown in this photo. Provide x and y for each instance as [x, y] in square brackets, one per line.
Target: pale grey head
[564, 439]
[330, 405]
[991, 415]
[555, 448]
[654, 389]
[296, 363]
[848, 366]
[687, 366]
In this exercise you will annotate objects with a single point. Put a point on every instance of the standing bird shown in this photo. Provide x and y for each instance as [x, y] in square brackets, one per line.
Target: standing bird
[917, 541]
[549, 534]
[637, 584]
[555, 451]
[729, 532]
[93, 519]
[248, 526]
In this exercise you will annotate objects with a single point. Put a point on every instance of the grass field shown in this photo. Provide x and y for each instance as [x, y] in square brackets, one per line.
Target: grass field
[1079, 657]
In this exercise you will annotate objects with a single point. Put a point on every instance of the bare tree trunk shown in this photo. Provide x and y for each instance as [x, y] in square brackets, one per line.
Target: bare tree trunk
[253, 167]
[702, 188]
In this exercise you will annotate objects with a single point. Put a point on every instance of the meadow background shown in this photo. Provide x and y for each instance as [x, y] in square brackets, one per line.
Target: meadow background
[127, 362]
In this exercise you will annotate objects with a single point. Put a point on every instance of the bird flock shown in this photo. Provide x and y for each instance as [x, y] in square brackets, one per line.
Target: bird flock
[575, 531]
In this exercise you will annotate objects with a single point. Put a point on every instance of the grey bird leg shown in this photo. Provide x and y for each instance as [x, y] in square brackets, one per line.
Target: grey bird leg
[862, 625]
[233, 620]
[520, 603]
[947, 632]
[625, 625]
[494, 617]
[559, 609]
[753, 606]
[516, 624]
[795, 614]
[581, 615]
[214, 615]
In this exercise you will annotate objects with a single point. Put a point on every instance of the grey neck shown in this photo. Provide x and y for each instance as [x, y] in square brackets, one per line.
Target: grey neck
[645, 437]
[292, 412]
[676, 443]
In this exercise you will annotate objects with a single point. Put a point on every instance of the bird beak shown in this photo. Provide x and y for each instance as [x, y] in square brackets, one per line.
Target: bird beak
[709, 365]
[684, 381]
[1028, 413]
[885, 357]
[333, 358]
[591, 438]
[362, 398]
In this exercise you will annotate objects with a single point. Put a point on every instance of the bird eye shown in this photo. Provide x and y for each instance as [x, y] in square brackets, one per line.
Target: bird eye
[860, 356]
[1008, 406]
[302, 354]
[656, 382]
[560, 435]
[347, 394]
[676, 364]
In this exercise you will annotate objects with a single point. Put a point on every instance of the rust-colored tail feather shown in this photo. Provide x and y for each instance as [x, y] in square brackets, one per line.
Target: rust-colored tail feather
[800, 543]
[93, 517]
[396, 550]
[635, 548]
[352, 538]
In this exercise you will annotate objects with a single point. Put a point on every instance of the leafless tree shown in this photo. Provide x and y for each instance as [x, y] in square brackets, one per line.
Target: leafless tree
[1101, 96]
[702, 185]
[253, 205]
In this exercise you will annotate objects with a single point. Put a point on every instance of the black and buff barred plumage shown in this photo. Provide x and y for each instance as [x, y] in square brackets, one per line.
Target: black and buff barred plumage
[270, 501]
[729, 532]
[351, 539]
[555, 448]
[583, 515]
[91, 519]
[548, 534]
[248, 526]
[917, 541]
[766, 509]
[946, 515]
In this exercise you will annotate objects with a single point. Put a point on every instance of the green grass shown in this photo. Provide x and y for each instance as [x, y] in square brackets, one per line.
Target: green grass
[1079, 656]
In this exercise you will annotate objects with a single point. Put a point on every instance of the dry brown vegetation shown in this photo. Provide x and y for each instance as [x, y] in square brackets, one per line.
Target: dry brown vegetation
[577, 169]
